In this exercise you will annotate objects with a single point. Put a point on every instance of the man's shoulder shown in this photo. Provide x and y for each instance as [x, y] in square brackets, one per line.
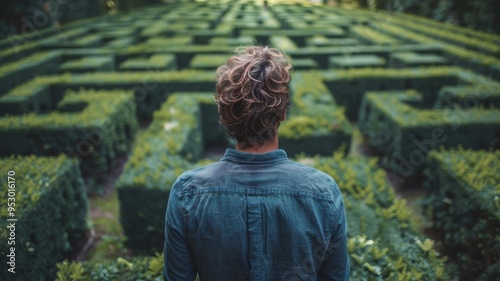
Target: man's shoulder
[200, 173]
[300, 174]
[303, 168]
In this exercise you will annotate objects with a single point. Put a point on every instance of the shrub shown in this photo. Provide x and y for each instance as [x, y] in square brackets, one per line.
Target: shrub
[95, 126]
[349, 86]
[469, 96]
[150, 88]
[138, 268]
[384, 243]
[463, 191]
[479, 61]
[51, 211]
[405, 133]
[314, 125]
[172, 144]
[371, 35]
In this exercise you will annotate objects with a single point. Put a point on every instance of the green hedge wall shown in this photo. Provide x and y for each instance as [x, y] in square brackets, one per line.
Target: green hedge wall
[384, 243]
[173, 143]
[150, 88]
[469, 96]
[94, 126]
[315, 124]
[463, 198]
[51, 211]
[349, 86]
[467, 57]
[20, 71]
[138, 268]
[396, 126]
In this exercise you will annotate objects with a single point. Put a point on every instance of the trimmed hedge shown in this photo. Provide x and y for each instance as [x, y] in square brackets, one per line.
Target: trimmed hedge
[469, 96]
[490, 47]
[452, 28]
[484, 63]
[94, 126]
[89, 64]
[349, 86]
[208, 61]
[405, 133]
[356, 61]
[463, 194]
[150, 88]
[158, 62]
[315, 124]
[18, 72]
[27, 48]
[384, 243]
[138, 268]
[411, 59]
[51, 211]
[366, 33]
[283, 43]
[233, 42]
[172, 144]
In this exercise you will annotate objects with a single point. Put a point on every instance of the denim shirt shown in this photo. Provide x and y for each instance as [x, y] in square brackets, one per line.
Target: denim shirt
[255, 217]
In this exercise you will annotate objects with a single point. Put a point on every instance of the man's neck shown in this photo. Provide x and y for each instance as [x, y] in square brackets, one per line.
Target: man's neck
[264, 148]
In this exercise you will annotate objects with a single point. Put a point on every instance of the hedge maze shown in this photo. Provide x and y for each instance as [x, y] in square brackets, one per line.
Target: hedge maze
[424, 95]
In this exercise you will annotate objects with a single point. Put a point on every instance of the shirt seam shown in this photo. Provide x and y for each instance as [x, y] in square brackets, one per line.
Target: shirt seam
[259, 193]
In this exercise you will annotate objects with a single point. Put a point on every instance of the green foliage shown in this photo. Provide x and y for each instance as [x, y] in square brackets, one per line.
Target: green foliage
[209, 62]
[376, 217]
[464, 56]
[480, 15]
[50, 208]
[138, 268]
[239, 41]
[463, 192]
[372, 35]
[469, 96]
[17, 72]
[283, 43]
[172, 144]
[348, 87]
[89, 63]
[150, 87]
[313, 118]
[463, 40]
[154, 63]
[29, 47]
[95, 126]
[406, 133]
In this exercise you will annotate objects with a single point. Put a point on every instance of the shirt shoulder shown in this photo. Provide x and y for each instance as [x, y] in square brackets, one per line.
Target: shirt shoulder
[320, 180]
[287, 176]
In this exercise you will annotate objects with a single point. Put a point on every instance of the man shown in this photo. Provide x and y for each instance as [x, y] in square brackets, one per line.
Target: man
[255, 215]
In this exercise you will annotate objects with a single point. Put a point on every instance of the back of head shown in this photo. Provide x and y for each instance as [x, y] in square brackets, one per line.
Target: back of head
[252, 94]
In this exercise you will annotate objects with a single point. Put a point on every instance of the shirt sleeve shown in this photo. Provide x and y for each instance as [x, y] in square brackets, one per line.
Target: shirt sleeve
[336, 265]
[178, 261]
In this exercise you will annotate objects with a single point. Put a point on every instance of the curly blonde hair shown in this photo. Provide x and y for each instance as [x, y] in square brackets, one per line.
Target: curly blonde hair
[252, 93]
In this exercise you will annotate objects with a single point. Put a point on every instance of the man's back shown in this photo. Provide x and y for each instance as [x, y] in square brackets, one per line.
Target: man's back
[256, 217]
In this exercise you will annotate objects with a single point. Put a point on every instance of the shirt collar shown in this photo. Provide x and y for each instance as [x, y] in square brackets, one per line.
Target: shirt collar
[237, 156]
